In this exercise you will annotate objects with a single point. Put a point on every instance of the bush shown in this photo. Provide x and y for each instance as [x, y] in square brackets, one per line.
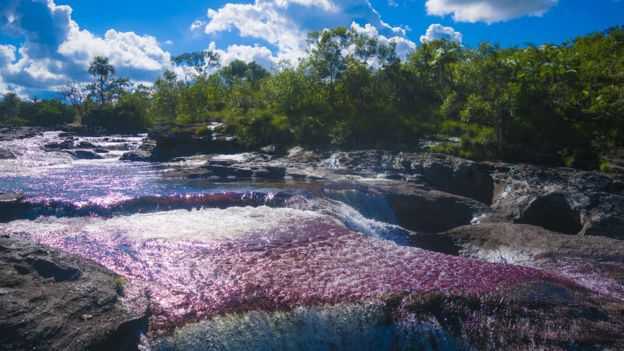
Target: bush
[259, 128]
[129, 115]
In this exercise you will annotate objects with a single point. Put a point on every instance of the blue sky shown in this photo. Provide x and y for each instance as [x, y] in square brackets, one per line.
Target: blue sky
[47, 43]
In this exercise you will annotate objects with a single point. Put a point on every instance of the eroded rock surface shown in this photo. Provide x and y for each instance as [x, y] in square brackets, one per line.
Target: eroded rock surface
[50, 300]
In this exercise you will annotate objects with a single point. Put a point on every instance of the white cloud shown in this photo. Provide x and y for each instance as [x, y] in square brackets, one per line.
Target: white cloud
[488, 11]
[438, 31]
[197, 24]
[262, 55]
[55, 50]
[403, 45]
[284, 24]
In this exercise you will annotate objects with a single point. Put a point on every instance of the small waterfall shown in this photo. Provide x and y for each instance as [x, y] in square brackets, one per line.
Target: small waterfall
[357, 327]
[369, 204]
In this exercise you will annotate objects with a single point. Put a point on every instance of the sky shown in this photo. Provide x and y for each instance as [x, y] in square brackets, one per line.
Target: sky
[45, 44]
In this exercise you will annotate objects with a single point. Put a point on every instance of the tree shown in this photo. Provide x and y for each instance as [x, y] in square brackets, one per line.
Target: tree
[197, 64]
[101, 70]
[10, 107]
[76, 95]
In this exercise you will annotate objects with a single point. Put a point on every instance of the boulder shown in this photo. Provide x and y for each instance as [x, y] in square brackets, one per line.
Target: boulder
[84, 155]
[50, 300]
[172, 142]
[62, 145]
[6, 154]
[12, 206]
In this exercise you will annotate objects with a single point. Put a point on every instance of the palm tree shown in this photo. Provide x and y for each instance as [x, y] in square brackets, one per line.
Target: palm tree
[101, 70]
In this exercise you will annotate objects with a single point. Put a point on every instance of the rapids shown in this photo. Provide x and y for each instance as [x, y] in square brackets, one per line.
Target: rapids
[277, 265]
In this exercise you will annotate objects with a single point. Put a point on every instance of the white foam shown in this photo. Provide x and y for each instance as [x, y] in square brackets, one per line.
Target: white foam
[195, 225]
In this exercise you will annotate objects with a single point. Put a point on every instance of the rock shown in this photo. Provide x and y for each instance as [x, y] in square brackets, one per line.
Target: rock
[551, 211]
[63, 145]
[86, 145]
[426, 210]
[597, 263]
[453, 175]
[190, 140]
[559, 199]
[84, 155]
[13, 133]
[228, 170]
[46, 295]
[11, 207]
[529, 240]
[6, 154]
[606, 219]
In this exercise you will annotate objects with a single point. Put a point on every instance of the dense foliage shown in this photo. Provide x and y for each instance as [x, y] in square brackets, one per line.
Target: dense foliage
[554, 104]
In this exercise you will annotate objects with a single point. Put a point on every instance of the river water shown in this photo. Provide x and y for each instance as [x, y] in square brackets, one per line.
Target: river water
[239, 265]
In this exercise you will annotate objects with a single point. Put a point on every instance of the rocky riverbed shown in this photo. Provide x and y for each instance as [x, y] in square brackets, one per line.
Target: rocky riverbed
[221, 247]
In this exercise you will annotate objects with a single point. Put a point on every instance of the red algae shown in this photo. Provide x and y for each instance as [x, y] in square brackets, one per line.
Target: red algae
[309, 260]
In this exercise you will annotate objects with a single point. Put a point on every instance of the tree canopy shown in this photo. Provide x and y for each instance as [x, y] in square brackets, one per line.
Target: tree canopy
[554, 104]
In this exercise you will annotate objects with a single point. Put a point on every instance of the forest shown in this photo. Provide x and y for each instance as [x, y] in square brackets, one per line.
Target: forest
[548, 104]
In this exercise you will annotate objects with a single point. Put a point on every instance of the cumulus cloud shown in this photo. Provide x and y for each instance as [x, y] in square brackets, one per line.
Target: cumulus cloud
[403, 45]
[438, 31]
[282, 25]
[488, 11]
[56, 50]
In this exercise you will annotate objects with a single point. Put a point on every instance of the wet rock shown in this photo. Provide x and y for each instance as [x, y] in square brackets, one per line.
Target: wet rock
[12, 133]
[594, 262]
[533, 241]
[86, 145]
[12, 206]
[44, 295]
[84, 155]
[6, 154]
[228, 170]
[530, 315]
[144, 153]
[426, 210]
[191, 140]
[61, 145]
[452, 175]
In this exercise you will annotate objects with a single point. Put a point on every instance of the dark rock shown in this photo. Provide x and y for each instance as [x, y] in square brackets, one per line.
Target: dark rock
[6, 154]
[553, 212]
[190, 140]
[63, 145]
[228, 171]
[426, 210]
[13, 133]
[86, 145]
[561, 199]
[533, 315]
[144, 153]
[532, 241]
[606, 219]
[51, 300]
[12, 206]
[84, 155]
[139, 155]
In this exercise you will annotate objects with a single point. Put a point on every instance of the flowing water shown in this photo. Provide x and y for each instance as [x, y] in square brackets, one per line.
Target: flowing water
[240, 265]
